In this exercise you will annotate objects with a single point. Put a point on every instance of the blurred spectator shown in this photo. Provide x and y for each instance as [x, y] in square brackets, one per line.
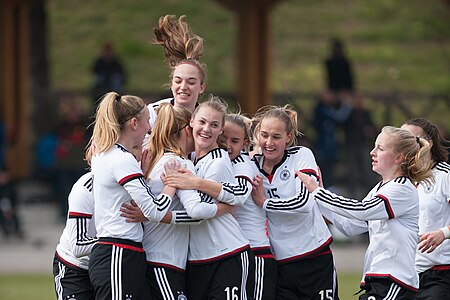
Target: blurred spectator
[360, 133]
[339, 72]
[329, 113]
[109, 73]
[9, 219]
[69, 152]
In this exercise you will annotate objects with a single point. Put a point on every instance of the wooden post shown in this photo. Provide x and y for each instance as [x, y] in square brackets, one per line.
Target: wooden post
[253, 41]
[14, 83]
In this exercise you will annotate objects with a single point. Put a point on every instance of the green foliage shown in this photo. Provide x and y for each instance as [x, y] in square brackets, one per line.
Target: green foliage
[397, 45]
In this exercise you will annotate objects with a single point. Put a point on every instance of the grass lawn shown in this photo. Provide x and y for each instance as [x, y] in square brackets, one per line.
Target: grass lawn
[40, 287]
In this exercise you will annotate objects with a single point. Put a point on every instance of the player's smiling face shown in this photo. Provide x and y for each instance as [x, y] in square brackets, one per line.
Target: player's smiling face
[273, 139]
[206, 127]
[235, 137]
[186, 85]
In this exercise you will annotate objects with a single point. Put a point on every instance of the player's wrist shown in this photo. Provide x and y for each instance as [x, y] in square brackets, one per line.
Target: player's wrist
[446, 231]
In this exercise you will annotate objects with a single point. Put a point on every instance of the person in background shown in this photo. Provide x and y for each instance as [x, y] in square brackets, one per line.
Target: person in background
[329, 114]
[359, 131]
[109, 74]
[339, 72]
[433, 253]
[9, 218]
[390, 212]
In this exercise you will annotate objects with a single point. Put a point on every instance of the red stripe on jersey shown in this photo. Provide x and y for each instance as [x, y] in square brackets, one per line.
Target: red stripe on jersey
[263, 252]
[132, 248]
[321, 250]
[245, 177]
[388, 206]
[212, 259]
[399, 282]
[68, 263]
[441, 268]
[129, 178]
[161, 265]
[73, 214]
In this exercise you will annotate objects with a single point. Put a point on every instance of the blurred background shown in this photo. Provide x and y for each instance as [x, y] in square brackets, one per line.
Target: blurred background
[391, 60]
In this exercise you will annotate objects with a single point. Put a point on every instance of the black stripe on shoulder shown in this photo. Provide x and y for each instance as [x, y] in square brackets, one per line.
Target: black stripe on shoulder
[401, 179]
[88, 184]
[216, 153]
[238, 159]
[293, 150]
[443, 166]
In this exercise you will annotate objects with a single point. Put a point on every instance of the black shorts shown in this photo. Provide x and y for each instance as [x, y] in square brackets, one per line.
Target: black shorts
[117, 269]
[309, 278]
[385, 289]
[71, 281]
[435, 284]
[228, 278]
[165, 282]
[266, 274]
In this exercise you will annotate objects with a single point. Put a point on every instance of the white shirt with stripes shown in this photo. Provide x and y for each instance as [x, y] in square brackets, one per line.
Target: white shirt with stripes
[251, 218]
[434, 208]
[153, 106]
[167, 244]
[296, 227]
[392, 213]
[118, 179]
[220, 236]
[78, 236]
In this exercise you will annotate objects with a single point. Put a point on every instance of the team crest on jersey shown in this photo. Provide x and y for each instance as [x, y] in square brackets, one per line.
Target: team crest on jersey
[428, 188]
[128, 297]
[181, 296]
[285, 175]
[71, 297]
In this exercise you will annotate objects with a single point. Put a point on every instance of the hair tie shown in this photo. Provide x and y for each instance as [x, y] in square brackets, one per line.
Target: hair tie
[418, 140]
[118, 97]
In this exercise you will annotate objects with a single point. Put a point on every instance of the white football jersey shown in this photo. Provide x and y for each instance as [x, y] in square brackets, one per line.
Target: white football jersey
[153, 106]
[118, 179]
[78, 236]
[250, 217]
[392, 213]
[296, 227]
[434, 208]
[221, 236]
[167, 244]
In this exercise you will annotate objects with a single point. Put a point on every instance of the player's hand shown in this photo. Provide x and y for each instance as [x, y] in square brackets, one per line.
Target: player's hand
[309, 182]
[258, 194]
[182, 179]
[145, 161]
[172, 166]
[430, 240]
[132, 213]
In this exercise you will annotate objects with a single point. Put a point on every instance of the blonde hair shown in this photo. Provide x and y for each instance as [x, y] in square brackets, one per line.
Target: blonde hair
[285, 114]
[417, 163]
[220, 106]
[180, 44]
[243, 122]
[111, 115]
[170, 122]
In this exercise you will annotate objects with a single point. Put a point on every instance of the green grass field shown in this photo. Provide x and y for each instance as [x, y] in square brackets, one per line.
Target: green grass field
[40, 287]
